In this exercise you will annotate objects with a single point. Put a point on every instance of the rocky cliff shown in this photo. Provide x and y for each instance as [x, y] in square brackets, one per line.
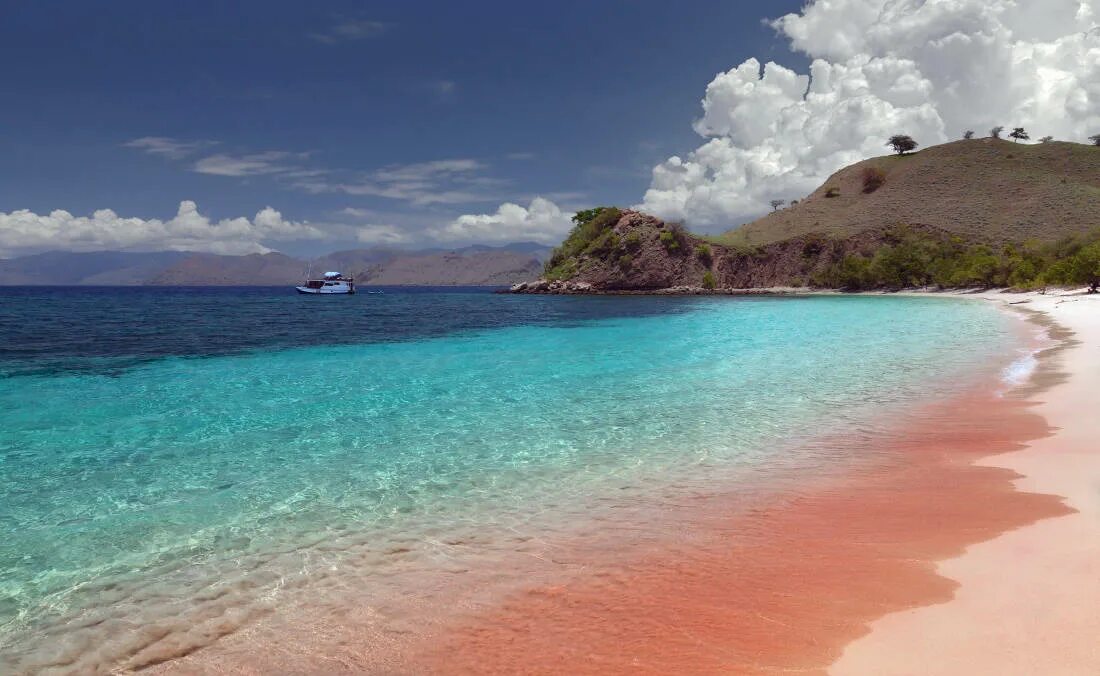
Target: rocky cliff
[641, 253]
[973, 213]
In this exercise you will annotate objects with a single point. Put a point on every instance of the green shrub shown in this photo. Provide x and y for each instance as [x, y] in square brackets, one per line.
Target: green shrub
[708, 280]
[704, 254]
[852, 273]
[604, 244]
[670, 241]
[632, 241]
[588, 225]
[1084, 266]
[873, 178]
[626, 261]
[562, 271]
[913, 258]
[813, 246]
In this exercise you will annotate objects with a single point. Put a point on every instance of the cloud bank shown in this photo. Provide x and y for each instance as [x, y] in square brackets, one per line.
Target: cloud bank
[23, 232]
[928, 68]
[541, 221]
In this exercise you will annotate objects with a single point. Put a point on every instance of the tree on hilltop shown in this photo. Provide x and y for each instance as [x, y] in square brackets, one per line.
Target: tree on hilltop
[586, 215]
[1018, 134]
[902, 143]
[776, 204]
[1095, 140]
[995, 132]
[968, 135]
[1046, 139]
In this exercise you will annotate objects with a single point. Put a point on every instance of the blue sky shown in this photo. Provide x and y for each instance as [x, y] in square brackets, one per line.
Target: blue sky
[404, 114]
[246, 127]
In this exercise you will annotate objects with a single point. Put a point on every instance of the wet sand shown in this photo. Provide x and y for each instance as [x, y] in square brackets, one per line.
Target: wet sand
[1028, 602]
[848, 572]
[786, 587]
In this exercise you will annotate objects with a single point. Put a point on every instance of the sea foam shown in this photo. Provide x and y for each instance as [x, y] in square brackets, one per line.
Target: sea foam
[1019, 371]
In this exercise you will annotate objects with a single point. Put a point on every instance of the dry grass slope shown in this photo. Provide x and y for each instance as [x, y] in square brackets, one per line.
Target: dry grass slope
[983, 189]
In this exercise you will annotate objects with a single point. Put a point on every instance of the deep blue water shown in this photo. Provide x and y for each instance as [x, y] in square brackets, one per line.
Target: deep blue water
[51, 329]
[169, 454]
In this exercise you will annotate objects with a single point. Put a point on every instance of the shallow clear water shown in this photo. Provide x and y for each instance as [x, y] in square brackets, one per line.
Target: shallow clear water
[166, 453]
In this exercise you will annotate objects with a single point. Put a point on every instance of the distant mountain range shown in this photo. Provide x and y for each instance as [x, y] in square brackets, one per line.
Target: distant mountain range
[469, 266]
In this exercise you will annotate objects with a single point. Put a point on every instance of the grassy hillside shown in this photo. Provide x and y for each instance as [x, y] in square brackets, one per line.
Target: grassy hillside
[976, 213]
[983, 189]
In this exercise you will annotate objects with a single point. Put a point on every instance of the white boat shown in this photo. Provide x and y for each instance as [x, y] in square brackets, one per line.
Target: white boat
[333, 282]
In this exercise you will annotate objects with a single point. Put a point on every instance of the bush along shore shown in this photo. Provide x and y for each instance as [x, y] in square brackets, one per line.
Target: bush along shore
[610, 250]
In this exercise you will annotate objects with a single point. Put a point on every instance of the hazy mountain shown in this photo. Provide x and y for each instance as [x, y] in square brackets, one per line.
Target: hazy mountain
[472, 265]
[483, 268]
[109, 268]
[204, 269]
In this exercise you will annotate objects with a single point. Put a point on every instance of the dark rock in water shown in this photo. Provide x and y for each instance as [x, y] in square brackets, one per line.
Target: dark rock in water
[555, 287]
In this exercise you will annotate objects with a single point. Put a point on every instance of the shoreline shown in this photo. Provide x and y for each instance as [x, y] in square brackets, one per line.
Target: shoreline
[544, 288]
[1026, 600]
[845, 554]
[852, 556]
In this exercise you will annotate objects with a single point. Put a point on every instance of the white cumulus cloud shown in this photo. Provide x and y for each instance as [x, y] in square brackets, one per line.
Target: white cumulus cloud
[928, 68]
[541, 221]
[23, 232]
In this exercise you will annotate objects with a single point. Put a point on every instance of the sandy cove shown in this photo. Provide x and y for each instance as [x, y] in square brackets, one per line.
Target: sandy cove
[787, 589]
[840, 574]
[1028, 601]
[898, 585]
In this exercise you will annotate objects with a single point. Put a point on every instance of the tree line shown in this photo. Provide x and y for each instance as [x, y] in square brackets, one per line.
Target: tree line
[914, 258]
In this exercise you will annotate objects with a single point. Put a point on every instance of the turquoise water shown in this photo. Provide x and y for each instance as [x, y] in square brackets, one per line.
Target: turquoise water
[156, 483]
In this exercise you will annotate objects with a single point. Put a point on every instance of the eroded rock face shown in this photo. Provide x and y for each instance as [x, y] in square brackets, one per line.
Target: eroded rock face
[557, 286]
[651, 256]
[639, 261]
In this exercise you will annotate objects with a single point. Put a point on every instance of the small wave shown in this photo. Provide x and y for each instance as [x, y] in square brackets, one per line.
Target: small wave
[1019, 371]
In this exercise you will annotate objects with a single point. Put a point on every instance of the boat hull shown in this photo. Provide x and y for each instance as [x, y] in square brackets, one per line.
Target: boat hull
[324, 291]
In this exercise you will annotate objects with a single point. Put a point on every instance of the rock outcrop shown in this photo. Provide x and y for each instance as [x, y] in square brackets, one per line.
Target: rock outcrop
[962, 214]
[643, 254]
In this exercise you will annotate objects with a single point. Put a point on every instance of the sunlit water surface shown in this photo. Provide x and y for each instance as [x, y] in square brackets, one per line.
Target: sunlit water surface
[173, 460]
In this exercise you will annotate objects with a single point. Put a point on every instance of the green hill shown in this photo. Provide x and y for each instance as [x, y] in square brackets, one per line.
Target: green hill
[976, 213]
[982, 189]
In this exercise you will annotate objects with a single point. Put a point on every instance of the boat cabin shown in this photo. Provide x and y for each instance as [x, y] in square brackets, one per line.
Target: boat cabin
[333, 282]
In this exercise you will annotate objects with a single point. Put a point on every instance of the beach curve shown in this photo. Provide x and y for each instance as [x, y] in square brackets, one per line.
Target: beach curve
[1026, 600]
